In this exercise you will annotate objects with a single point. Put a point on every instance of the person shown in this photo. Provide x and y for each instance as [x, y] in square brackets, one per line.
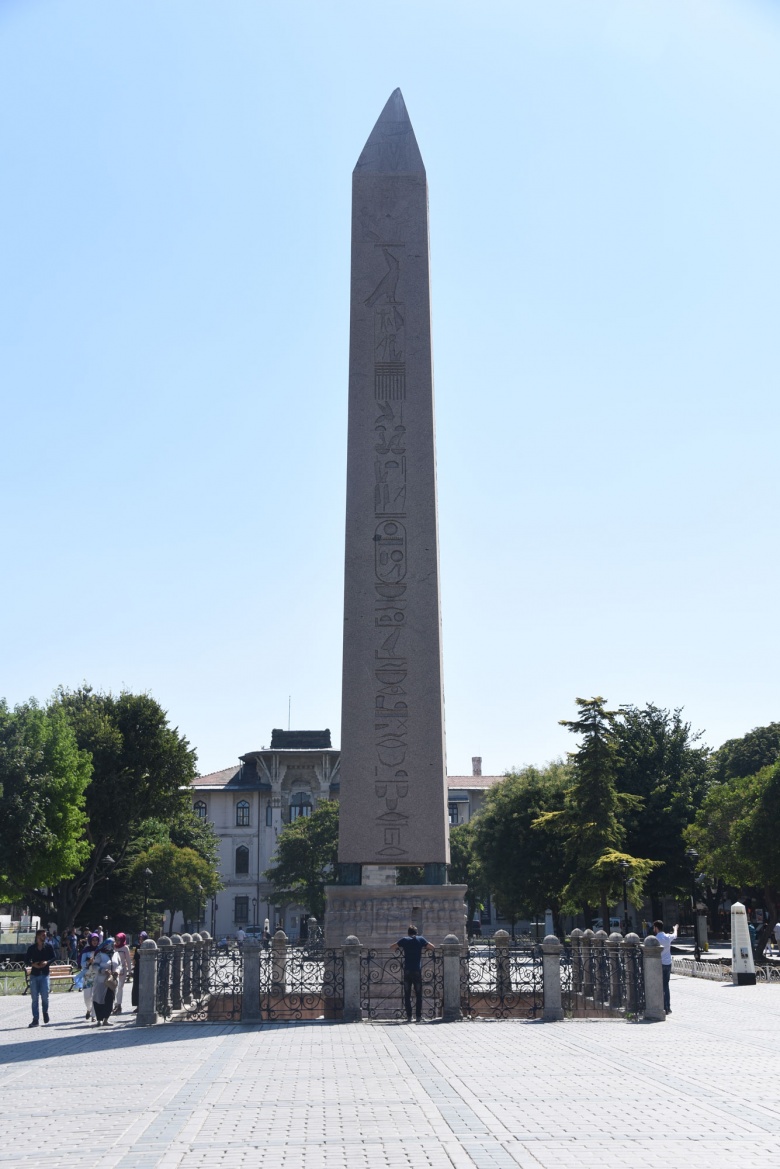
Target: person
[666, 958]
[240, 936]
[266, 939]
[776, 932]
[412, 948]
[87, 973]
[136, 967]
[122, 951]
[106, 965]
[39, 958]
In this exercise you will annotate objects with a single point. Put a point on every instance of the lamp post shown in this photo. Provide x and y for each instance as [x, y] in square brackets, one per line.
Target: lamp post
[254, 911]
[624, 866]
[693, 857]
[200, 905]
[147, 874]
[107, 860]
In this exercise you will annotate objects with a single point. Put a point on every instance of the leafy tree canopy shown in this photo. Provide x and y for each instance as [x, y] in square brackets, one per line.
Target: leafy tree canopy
[757, 749]
[181, 878]
[43, 779]
[306, 857]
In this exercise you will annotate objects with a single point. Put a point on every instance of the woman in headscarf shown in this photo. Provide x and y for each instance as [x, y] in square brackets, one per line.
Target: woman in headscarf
[87, 974]
[136, 965]
[106, 966]
[122, 951]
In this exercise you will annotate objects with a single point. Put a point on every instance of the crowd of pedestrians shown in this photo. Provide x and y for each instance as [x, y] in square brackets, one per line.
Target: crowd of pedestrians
[105, 965]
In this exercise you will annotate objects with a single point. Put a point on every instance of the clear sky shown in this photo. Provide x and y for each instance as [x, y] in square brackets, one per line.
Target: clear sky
[174, 250]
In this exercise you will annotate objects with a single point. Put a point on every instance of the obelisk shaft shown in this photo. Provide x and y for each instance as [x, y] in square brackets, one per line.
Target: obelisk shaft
[393, 803]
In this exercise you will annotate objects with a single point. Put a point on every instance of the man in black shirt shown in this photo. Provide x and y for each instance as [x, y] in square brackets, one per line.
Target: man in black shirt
[39, 958]
[412, 948]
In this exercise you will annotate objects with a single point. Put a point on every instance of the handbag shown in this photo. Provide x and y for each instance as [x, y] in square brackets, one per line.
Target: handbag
[111, 982]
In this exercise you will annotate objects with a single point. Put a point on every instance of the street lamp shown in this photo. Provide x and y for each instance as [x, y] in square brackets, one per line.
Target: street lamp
[200, 904]
[693, 857]
[147, 874]
[624, 866]
[254, 911]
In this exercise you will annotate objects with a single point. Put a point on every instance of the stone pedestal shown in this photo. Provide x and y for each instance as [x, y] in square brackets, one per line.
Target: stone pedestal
[379, 916]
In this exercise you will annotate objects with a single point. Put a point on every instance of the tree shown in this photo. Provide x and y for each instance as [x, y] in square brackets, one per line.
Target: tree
[521, 861]
[658, 761]
[43, 779]
[142, 770]
[757, 749]
[306, 857]
[591, 821]
[180, 878]
[736, 833]
[465, 868]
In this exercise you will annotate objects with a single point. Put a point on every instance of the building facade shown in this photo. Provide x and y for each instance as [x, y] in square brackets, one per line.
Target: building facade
[250, 803]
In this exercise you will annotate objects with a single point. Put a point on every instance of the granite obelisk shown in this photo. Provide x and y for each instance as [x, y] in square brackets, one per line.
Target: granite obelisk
[393, 774]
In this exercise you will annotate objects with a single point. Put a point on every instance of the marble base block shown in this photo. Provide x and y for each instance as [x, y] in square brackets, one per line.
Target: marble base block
[379, 915]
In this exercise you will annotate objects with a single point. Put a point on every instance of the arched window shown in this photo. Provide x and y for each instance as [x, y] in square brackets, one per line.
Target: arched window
[242, 814]
[242, 860]
[200, 809]
[300, 805]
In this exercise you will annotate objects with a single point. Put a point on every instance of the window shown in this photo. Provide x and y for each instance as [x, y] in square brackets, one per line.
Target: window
[269, 816]
[200, 809]
[240, 910]
[242, 861]
[300, 805]
[453, 808]
[242, 814]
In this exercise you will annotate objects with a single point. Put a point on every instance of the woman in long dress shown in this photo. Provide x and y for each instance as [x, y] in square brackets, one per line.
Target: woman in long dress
[106, 965]
[122, 951]
[87, 975]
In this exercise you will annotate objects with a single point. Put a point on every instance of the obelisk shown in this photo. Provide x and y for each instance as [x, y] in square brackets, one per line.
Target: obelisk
[393, 798]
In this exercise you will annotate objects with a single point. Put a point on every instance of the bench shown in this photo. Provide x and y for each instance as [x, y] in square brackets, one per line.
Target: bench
[56, 974]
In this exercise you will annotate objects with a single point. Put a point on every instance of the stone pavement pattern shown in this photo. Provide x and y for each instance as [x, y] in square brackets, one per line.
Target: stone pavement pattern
[702, 1088]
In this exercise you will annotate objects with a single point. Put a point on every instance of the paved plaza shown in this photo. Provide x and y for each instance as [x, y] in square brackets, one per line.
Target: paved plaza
[701, 1089]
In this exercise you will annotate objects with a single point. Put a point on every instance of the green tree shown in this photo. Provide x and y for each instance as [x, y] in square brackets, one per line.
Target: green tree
[736, 833]
[757, 749]
[43, 779]
[592, 819]
[658, 760]
[465, 868]
[142, 770]
[180, 878]
[306, 857]
[523, 862]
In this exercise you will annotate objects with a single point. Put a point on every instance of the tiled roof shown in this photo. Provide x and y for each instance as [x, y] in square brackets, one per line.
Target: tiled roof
[472, 781]
[217, 778]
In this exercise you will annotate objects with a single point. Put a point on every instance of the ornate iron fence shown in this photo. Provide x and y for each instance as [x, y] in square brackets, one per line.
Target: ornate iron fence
[382, 986]
[502, 981]
[304, 982]
[216, 987]
[601, 978]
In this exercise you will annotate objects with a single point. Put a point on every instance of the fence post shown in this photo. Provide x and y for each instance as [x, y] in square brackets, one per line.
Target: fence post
[630, 948]
[450, 956]
[279, 962]
[197, 945]
[600, 972]
[204, 961]
[613, 958]
[576, 961]
[551, 979]
[654, 981]
[147, 984]
[164, 976]
[178, 955]
[186, 969]
[587, 964]
[250, 996]
[353, 1012]
[503, 972]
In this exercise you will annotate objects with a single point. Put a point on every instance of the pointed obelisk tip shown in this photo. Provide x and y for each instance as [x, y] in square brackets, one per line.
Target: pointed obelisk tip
[392, 147]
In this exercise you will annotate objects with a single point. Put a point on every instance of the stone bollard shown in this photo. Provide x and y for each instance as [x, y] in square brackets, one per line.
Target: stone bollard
[353, 1012]
[176, 969]
[450, 956]
[164, 976]
[551, 974]
[205, 950]
[613, 944]
[197, 945]
[600, 969]
[654, 981]
[576, 962]
[587, 963]
[147, 984]
[250, 994]
[186, 968]
[630, 949]
[279, 962]
[503, 969]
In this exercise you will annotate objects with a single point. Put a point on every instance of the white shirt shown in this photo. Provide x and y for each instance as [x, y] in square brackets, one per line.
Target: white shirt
[666, 945]
[777, 932]
[240, 935]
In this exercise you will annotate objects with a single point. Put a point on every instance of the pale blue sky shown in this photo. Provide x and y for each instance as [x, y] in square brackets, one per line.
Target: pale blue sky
[175, 202]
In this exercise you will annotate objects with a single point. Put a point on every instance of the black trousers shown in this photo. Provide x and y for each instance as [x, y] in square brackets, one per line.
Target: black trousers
[667, 974]
[413, 978]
